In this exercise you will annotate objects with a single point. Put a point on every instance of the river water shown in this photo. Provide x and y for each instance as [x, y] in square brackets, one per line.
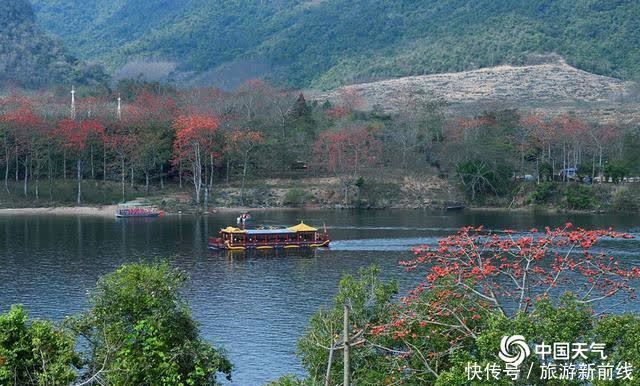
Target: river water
[254, 306]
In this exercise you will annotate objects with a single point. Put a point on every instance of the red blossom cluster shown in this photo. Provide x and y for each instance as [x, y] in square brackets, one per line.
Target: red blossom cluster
[195, 130]
[76, 133]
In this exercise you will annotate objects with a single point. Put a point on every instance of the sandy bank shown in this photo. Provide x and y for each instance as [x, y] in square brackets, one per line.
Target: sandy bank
[105, 210]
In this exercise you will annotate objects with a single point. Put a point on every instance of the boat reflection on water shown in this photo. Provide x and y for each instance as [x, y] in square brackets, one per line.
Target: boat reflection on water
[137, 220]
[250, 254]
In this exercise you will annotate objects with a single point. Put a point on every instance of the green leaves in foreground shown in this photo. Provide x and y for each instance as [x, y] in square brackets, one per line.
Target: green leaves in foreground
[34, 353]
[367, 297]
[140, 331]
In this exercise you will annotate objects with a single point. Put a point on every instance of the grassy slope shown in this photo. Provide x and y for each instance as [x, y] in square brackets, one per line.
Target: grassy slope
[325, 43]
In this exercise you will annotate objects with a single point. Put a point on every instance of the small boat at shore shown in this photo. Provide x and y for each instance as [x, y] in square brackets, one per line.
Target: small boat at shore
[298, 236]
[136, 210]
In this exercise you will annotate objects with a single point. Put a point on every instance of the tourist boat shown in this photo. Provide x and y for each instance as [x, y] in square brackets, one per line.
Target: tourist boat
[136, 210]
[298, 236]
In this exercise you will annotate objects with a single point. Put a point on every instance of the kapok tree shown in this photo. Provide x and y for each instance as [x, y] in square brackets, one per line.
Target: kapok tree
[121, 141]
[474, 274]
[347, 150]
[150, 118]
[76, 135]
[25, 126]
[195, 144]
[574, 135]
[244, 142]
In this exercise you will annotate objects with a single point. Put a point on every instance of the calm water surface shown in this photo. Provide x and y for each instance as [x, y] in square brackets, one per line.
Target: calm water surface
[255, 306]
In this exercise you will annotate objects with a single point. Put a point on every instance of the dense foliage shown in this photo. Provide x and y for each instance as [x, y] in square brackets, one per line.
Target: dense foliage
[139, 331]
[324, 43]
[580, 197]
[367, 298]
[566, 321]
[35, 353]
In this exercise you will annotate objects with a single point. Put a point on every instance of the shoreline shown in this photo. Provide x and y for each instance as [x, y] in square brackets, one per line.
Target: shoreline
[103, 210]
[109, 210]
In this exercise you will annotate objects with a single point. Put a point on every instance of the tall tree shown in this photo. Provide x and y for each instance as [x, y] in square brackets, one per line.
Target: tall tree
[347, 150]
[27, 126]
[76, 136]
[244, 143]
[123, 143]
[195, 144]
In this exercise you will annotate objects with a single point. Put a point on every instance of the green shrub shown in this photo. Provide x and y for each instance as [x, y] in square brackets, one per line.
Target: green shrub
[546, 171]
[480, 178]
[580, 197]
[543, 193]
[35, 353]
[376, 194]
[295, 197]
[290, 380]
[616, 171]
[584, 170]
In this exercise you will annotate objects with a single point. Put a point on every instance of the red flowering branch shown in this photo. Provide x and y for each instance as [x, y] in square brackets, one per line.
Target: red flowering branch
[508, 271]
[474, 273]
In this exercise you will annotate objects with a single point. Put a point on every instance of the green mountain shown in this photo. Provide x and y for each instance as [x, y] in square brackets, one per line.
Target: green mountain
[31, 59]
[324, 43]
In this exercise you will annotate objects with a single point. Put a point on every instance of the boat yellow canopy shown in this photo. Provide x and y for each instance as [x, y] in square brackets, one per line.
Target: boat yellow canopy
[231, 229]
[302, 227]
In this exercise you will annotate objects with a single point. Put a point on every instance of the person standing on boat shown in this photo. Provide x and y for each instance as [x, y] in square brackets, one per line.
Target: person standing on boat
[243, 219]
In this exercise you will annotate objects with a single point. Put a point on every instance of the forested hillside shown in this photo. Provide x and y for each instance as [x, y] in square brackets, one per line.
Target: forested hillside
[327, 43]
[29, 58]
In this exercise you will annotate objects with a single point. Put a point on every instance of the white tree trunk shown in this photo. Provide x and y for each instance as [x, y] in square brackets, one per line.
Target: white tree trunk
[79, 181]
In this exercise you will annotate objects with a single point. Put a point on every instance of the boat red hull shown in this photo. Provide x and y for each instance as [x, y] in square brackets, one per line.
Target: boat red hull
[218, 244]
